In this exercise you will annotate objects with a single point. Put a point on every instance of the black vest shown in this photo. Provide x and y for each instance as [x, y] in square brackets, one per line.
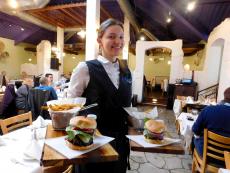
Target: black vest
[110, 114]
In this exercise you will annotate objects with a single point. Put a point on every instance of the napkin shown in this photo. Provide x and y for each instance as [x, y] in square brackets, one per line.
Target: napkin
[2, 141]
[34, 150]
[153, 113]
[39, 123]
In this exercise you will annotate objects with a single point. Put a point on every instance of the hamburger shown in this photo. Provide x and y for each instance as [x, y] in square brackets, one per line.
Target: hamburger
[154, 131]
[80, 133]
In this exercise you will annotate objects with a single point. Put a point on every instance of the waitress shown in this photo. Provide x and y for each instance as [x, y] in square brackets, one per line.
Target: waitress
[107, 81]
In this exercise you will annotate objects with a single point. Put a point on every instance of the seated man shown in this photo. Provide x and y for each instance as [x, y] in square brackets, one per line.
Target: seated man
[44, 86]
[49, 77]
[22, 94]
[214, 118]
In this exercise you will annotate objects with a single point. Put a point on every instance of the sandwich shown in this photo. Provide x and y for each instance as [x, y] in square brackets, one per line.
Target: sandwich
[80, 133]
[154, 131]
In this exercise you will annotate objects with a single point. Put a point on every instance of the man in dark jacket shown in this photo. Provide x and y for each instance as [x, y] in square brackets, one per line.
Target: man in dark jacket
[214, 118]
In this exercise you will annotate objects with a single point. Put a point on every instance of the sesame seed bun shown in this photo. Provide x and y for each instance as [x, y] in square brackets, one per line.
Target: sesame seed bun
[155, 126]
[83, 122]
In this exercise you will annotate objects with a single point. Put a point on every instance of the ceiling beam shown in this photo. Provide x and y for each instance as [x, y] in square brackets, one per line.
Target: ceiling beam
[183, 20]
[73, 17]
[78, 15]
[106, 12]
[58, 7]
[48, 19]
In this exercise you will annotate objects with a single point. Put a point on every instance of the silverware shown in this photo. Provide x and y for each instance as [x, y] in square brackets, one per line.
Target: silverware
[89, 106]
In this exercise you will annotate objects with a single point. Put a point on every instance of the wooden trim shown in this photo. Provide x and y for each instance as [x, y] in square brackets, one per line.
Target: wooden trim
[106, 12]
[72, 16]
[15, 122]
[78, 15]
[49, 20]
[58, 7]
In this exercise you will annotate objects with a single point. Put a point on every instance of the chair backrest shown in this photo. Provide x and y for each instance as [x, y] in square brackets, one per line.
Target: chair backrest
[227, 159]
[214, 147]
[16, 122]
[36, 99]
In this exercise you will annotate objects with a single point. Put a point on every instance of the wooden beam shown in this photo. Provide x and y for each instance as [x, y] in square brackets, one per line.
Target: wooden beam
[78, 15]
[48, 20]
[58, 7]
[106, 12]
[72, 16]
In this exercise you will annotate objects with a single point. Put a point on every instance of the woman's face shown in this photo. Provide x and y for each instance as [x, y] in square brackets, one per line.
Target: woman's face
[112, 42]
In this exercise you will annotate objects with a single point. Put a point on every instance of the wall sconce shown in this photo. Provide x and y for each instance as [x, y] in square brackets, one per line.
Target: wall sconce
[186, 67]
[82, 33]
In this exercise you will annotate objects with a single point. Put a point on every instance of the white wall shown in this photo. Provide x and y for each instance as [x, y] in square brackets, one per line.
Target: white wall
[219, 39]
[176, 70]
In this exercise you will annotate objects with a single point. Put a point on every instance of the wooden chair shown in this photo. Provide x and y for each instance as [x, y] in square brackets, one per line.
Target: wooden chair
[58, 169]
[16, 122]
[214, 147]
[227, 159]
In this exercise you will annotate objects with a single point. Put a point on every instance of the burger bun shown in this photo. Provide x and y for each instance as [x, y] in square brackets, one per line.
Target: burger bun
[153, 141]
[155, 126]
[83, 122]
[76, 147]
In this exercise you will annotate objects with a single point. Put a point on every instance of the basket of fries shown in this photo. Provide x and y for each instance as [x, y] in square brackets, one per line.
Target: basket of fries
[61, 111]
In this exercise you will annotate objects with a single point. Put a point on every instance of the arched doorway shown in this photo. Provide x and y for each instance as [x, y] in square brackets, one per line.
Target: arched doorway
[176, 62]
[157, 66]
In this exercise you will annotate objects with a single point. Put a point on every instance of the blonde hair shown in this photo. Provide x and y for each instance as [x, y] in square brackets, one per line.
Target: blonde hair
[107, 23]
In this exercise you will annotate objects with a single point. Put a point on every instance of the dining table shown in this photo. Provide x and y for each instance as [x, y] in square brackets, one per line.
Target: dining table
[174, 148]
[52, 157]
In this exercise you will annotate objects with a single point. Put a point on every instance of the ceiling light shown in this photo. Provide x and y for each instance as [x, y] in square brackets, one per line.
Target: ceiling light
[142, 38]
[169, 20]
[169, 62]
[13, 4]
[30, 59]
[81, 33]
[150, 59]
[22, 4]
[74, 57]
[191, 5]
[22, 29]
[54, 48]
[186, 67]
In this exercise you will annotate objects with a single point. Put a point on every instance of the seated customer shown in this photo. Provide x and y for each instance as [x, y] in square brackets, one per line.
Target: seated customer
[22, 94]
[44, 86]
[214, 118]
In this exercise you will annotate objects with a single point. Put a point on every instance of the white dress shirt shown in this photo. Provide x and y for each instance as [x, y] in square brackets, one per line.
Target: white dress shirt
[80, 76]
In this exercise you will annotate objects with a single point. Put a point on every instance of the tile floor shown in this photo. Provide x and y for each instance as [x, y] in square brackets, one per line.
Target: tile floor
[143, 162]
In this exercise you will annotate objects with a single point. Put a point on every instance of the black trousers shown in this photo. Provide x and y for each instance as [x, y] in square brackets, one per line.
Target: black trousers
[121, 145]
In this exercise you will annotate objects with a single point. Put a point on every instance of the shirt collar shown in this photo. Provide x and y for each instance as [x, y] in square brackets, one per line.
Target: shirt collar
[227, 104]
[103, 60]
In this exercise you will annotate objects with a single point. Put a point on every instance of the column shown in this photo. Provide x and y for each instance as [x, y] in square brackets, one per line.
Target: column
[92, 24]
[125, 53]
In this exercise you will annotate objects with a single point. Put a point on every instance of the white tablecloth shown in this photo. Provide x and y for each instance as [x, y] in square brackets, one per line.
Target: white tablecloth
[186, 127]
[13, 147]
[221, 170]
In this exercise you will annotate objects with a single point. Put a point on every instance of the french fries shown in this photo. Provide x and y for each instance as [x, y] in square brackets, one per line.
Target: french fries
[63, 107]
